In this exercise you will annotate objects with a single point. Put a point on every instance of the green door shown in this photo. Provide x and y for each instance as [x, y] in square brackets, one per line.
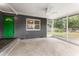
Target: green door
[8, 26]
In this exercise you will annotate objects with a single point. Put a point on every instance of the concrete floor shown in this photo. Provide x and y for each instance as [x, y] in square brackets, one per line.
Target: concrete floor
[44, 47]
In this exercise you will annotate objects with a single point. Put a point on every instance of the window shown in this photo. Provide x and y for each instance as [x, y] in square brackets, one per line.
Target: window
[32, 24]
[60, 27]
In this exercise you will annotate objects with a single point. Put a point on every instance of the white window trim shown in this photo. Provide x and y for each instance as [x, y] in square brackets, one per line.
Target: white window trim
[33, 23]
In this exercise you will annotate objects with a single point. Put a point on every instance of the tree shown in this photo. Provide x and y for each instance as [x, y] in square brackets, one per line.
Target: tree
[58, 23]
[73, 22]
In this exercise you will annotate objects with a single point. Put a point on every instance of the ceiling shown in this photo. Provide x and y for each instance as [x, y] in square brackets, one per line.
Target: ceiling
[45, 10]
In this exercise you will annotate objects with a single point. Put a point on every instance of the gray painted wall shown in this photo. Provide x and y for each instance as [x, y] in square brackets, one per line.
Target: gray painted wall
[20, 28]
[0, 25]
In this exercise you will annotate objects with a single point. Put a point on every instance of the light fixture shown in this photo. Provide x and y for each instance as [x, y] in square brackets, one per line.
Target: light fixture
[30, 21]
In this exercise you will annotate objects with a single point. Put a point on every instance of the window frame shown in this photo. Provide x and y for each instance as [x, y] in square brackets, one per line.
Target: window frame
[27, 19]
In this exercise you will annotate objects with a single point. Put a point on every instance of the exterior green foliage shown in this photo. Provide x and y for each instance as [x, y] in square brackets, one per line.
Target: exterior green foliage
[49, 25]
[58, 30]
[73, 22]
[58, 23]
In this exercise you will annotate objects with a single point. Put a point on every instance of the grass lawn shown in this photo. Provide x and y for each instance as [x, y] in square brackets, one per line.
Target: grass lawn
[64, 34]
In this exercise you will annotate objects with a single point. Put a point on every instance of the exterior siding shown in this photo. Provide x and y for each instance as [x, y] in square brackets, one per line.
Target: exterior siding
[20, 27]
[1, 24]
